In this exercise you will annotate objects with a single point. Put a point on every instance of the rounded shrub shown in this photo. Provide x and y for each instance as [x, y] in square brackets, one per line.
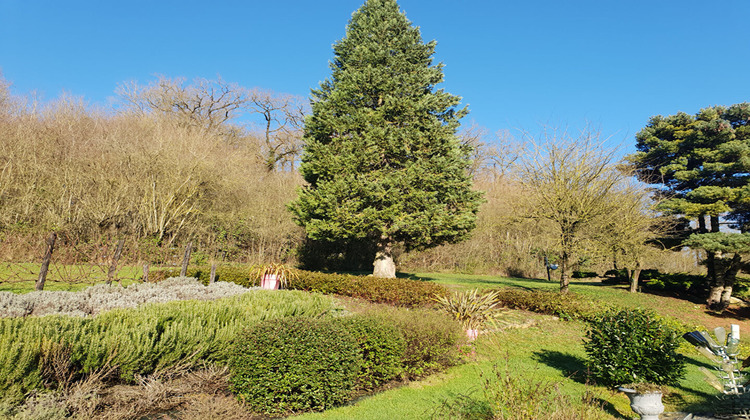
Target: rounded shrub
[633, 346]
[294, 364]
[432, 339]
[382, 347]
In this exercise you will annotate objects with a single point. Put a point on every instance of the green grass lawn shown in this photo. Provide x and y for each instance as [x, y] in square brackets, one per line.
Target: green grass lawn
[21, 277]
[551, 352]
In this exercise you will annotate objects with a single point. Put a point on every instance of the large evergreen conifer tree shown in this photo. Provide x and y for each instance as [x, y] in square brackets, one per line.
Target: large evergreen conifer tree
[381, 157]
[702, 164]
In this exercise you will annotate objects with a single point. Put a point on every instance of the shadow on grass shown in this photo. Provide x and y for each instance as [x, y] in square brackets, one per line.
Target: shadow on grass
[573, 367]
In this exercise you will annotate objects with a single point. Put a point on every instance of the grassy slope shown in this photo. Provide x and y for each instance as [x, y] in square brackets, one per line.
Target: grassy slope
[551, 351]
[689, 312]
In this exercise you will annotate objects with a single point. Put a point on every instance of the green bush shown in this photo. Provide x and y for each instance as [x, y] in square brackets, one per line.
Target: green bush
[633, 346]
[229, 273]
[138, 341]
[432, 339]
[581, 274]
[295, 364]
[566, 306]
[382, 347]
[399, 292]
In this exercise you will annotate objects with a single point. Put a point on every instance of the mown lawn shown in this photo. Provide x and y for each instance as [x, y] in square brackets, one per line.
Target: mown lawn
[21, 277]
[550, 352]
[547, 353]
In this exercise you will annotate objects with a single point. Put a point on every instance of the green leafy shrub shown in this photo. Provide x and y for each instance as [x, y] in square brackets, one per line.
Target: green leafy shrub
[229, 273]
[580, 274]
[382, 348]
[675, 282]
[295, 364]
[633, 346]
[399, 292]
[139, 341]
[432, 339]
[566, 306]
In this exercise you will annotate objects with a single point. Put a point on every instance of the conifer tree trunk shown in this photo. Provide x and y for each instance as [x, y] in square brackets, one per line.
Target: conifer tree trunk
[721, 288]
[384, 266]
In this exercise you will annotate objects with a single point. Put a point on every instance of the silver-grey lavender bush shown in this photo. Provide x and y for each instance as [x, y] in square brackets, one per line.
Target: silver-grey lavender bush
[99, 298]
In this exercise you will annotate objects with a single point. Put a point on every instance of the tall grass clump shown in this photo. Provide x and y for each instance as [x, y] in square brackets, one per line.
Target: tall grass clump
[519, 395]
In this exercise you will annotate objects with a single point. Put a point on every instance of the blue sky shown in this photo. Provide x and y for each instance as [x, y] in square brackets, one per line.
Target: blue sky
[517, 64]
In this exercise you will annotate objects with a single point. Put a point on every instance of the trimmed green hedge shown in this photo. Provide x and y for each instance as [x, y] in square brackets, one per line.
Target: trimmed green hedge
[566, 306]
[398, 292]
[292, 365]
[295, 364]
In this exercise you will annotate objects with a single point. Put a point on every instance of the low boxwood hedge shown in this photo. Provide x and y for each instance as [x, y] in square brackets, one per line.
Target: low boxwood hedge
[398, 291]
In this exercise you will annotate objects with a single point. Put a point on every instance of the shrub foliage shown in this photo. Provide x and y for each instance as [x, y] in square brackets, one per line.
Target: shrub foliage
[633, 346]
[398, 291]
[138, 341]
[295, 364]
[382, 348]
[565, 306]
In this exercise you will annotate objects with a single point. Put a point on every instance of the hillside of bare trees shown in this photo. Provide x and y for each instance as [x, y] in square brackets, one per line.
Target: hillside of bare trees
[214, 163]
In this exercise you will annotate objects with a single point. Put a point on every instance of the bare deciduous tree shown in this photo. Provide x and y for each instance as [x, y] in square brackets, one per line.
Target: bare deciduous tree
[283, 119]
[205, 103]
[569, 182]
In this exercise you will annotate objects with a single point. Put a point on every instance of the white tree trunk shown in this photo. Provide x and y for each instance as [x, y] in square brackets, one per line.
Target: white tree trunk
[384, 266]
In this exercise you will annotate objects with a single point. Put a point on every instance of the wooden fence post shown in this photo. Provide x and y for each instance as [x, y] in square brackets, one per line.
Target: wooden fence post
[213, 274]
[186, 259]
[113, 263]
[45, 262]
[145, 272]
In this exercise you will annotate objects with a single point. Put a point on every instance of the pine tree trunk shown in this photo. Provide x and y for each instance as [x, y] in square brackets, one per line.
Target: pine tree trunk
[714, 294]
[721, 295]
[384, 266]
[724, 275]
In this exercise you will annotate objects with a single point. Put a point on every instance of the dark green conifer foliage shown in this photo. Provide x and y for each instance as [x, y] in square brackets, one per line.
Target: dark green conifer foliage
[381, 157]
[702, 163]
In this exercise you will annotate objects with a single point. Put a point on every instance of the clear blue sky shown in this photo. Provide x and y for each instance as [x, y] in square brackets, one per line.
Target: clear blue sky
[517, 64]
